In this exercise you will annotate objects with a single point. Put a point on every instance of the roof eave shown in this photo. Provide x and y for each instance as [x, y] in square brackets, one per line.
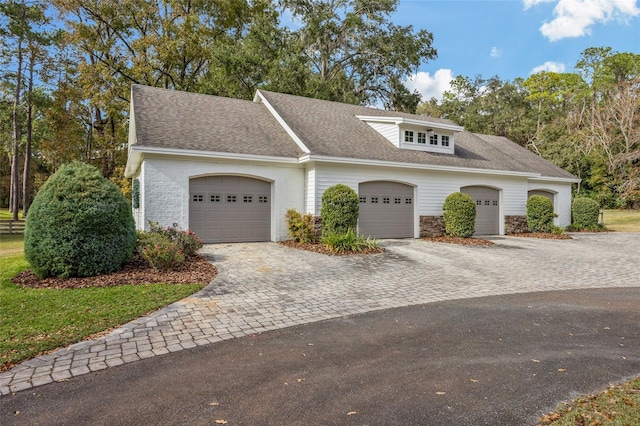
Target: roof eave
[380, 163]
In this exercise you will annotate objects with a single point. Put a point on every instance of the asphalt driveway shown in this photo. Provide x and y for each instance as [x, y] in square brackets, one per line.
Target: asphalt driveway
[277, 298]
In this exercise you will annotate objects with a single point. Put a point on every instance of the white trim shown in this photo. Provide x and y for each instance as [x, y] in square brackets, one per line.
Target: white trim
[259, 97]
[403, 120]
[136, 153]
[379, 163]
[556, 179]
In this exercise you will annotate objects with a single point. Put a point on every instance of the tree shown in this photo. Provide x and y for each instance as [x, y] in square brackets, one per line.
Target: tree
[355, 53]
[24, 47]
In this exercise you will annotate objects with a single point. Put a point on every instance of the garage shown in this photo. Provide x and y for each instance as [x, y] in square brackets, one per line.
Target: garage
[386, 209]
[229, 209]
[487, 209]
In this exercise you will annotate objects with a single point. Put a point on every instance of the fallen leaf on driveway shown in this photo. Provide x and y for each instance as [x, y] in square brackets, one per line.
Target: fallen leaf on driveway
[562, 370]
[351, 413]
[213, 404]
[300, 379]
[535, 360]
[221, 422]
[441, 393]
[473, 380]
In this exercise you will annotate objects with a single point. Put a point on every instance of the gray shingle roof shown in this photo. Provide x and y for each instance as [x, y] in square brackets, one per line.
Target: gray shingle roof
[190, 121]
[180, 120]
[332, 129]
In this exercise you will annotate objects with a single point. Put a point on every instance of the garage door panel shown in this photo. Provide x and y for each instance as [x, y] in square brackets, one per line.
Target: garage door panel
[385, 211]
[487, 209]
[230, 209]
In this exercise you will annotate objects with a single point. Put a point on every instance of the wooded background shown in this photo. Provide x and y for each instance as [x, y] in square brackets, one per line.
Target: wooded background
[67, 68]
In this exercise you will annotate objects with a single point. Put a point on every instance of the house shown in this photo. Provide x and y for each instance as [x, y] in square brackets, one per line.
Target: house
[230, 169]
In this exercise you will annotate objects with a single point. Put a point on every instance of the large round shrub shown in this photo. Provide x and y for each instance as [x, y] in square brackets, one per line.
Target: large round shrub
[79, 224]
[540, 214]
[585, 212]
[459, 212]
[340, 209]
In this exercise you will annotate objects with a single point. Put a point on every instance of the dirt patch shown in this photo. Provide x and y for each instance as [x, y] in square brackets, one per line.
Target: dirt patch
[543, 235]
[460, 241]
[321, 248]
[194, 270]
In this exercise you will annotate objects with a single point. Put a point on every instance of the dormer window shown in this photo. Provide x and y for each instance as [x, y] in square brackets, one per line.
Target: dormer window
[415, 134]
[422, 137]
[408, 136]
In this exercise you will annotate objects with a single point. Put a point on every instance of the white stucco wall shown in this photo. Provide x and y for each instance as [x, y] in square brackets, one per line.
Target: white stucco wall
[165, 188]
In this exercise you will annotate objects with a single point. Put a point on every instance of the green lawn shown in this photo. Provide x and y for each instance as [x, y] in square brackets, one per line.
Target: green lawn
[622, 220]
[34, 321]
[6, 215]
[618, 405]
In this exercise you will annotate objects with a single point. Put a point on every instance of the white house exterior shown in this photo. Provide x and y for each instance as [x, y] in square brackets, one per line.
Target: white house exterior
[230, 169]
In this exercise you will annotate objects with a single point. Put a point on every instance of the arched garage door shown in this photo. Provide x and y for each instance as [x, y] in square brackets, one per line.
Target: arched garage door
[386, 210]
[487, 209]
[225, 209]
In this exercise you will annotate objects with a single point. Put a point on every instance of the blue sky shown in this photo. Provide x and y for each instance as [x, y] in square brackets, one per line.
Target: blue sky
[515, 38]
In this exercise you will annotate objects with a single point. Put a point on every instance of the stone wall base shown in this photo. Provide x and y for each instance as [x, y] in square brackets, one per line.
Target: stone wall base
[431, 226]
[515, 224]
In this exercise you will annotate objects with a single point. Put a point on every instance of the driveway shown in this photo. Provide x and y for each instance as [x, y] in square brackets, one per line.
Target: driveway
[265, 286]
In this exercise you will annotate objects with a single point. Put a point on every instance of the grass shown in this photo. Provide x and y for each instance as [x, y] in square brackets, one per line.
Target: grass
[618, 405]
[7, 215]
[35, 321]
[622, 220]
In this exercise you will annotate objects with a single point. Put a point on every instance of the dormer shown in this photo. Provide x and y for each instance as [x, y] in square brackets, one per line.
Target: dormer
[414, 134]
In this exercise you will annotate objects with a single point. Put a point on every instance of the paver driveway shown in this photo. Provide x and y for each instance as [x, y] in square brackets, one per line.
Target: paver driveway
[266, 286]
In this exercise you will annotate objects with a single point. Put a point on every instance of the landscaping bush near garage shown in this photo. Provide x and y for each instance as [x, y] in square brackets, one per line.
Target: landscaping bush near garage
[79, 224]
[340, 210]
[540, 214]
[165, 248]
[459, 212]
[301, 227]
[585, 213]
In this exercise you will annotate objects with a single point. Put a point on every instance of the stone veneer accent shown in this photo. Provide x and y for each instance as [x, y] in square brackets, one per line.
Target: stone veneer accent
[515, 224]
[431, 226]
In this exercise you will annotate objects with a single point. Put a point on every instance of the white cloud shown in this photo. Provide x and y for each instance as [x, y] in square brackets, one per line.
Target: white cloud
[430, 86]
[495, 52]
[531, 3]
[549, 66]
[574, 18]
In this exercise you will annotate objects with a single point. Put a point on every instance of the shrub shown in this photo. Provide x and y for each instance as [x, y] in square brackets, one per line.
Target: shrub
[459, 212]
[300, 226]
[540, 214]
[186, 241]
[340, 209]
[161, 252]
[585, 212]
[349, 241]
[79, 224]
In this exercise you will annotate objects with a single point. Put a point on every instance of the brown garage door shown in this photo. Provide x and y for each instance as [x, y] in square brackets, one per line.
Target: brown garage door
[487, 209]
[230, 209]
[386, 210]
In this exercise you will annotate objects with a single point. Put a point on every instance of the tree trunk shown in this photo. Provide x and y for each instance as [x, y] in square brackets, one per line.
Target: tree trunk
[14, 193]
[27, 150]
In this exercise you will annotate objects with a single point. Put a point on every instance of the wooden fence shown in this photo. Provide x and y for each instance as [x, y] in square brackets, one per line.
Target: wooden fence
[11, 226]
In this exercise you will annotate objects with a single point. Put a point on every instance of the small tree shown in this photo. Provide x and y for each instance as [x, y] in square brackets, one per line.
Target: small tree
[340, 210]
[79, 224]
[300, 226]
[585, 213]
[540, 214]
[459, 212]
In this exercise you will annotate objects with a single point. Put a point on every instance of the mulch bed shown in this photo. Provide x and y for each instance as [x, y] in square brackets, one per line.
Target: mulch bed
[193, 270]
[460, 241]
[543, 235]
[321, 248]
